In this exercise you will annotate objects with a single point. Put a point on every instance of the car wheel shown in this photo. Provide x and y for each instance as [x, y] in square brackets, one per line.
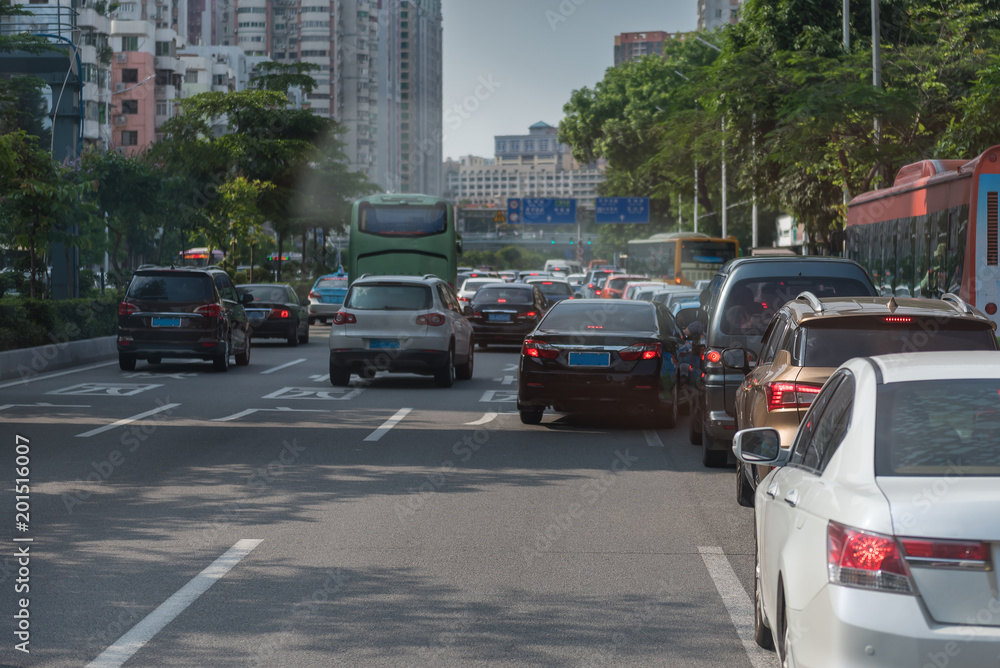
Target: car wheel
[713, 459]
[694, 434]
[293, 336]
[464, 371]
[744, 493]
[531, 416]
[243, 358]
[154, 360]
[445, 376]
[126, 362]
[761, 631]
[785, 656]
[221, 361]
[339, 375]
[304, 338]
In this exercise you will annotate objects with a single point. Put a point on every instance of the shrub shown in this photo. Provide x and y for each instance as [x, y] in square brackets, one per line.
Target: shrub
[25, 323]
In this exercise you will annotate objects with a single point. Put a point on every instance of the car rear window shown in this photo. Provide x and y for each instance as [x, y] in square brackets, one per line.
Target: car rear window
[510, 295]
[938, 428]
[389, 297]
[751, 304]
[833, 342]
[475, 284]
[265, 293]
[171, 288]
[331, 283]
[613, 317]
[554, 288]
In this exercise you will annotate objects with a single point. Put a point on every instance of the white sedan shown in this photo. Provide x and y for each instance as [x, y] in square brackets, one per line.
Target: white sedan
[878, 534]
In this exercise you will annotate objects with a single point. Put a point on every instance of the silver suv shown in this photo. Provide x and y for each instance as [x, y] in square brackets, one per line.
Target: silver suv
[407, 324]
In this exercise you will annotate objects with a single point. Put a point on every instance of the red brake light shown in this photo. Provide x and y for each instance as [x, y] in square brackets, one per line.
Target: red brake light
[533, 348]
[866, 560]
[209, 310]
[124, 308]
[501, 300]
[597, 292]
[713, 356]
[788, 395]
[344, 318]
[463, 299]
[528, 314]
[313, 294]
[278, 313]
[923, 549]
[432, 319]
[646, 351]
[897, 318]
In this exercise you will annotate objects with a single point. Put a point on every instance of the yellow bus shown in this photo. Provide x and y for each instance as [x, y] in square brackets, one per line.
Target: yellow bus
[680, 257]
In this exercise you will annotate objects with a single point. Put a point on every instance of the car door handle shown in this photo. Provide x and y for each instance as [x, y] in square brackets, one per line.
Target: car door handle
[772, 491]
[792, 497]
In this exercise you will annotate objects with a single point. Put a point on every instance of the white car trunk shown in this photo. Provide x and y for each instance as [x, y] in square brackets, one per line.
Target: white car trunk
[380, 329]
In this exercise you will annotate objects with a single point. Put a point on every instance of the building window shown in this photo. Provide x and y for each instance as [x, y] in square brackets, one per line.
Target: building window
[515, 145]
[191, 77]
[130, 138]
[529, 144]
[130, 43]
[130, 106]
[543, 144]
[501, 146]
[130, 75]
[161, 108]
[163, 49]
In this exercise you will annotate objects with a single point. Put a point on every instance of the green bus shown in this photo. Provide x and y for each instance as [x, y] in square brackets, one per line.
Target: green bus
[403, 234]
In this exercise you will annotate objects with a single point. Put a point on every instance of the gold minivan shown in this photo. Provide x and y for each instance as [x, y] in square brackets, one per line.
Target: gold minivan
[807, 340]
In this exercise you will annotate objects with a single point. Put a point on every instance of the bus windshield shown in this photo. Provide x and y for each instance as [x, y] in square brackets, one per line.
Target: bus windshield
[402, 220]
[701, 253]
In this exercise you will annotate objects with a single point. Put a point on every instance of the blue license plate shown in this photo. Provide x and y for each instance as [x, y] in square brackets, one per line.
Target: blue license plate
[383, 344]
[166, 322]
[589, 359]
[499, 317]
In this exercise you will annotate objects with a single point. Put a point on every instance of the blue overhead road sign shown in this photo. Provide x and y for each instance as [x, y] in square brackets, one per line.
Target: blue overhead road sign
[621, 209]
[534, 210]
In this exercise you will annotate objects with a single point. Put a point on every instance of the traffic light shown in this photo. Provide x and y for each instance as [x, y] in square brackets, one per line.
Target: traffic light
[588, 242]
[570, 242]
[553, 241]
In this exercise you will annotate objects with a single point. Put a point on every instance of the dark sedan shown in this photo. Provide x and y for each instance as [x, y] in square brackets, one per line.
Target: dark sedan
[503, 313]
[277, 313]
[599, 356]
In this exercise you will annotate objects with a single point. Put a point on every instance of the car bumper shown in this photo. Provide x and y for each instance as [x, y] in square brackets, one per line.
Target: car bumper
[274, 330]
[204, 350]
[395, 361]
[323, 310]
[574, 392]
[854, 628]
[511, 334]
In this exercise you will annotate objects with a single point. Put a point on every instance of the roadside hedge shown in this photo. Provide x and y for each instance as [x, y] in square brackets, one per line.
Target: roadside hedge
[25, 322]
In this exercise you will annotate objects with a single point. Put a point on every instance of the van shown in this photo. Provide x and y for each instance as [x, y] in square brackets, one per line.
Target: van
[564, 266]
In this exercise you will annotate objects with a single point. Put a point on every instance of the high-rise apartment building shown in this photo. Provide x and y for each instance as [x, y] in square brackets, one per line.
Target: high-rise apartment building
[713, 14]
[631, 46]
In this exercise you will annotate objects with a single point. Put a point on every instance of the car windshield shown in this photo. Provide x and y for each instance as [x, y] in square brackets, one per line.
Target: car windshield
[833, 342]
[265, 293]
[509, 296]
[389, 296]
[568, 316]
[938, 428]
[171, 288]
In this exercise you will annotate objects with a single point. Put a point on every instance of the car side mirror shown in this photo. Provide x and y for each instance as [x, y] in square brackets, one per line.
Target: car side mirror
[761, 445]
[246, 298]
[467, 311]
[736, 358]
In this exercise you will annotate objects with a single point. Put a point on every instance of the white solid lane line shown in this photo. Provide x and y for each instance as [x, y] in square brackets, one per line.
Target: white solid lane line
[489, 417]
[388, 424]
[140, 634]
[738, 604]
[54, 375]
[129, 420]
[652, 439]
[283, 366]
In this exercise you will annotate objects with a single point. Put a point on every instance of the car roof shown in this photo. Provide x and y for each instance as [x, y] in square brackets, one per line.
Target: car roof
[960, 364]
[804, 309]
[396, 278]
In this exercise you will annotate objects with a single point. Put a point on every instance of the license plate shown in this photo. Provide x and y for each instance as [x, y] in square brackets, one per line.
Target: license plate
[499, 317]
[166, 322]
[589, 359]
[383, 344]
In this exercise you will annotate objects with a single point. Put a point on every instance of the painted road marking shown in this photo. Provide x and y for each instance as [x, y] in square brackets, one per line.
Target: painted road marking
[388, 424]
[325, 393]
[106, 389]
[150, 374]
[320, 378]
[140, 634]
[121, 423]
[738, 604]
[489, 417]
[510, 367]
[55, 375]
[652, 439]
[509, 380]
[489, 396]
[280, 409]
[42, 404]
[283, 366]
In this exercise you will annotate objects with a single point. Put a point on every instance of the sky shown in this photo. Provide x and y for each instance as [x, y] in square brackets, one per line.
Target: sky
[511, 63]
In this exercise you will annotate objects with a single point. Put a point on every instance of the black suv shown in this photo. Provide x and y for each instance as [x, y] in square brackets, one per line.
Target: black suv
[740, 302]
[184, 312]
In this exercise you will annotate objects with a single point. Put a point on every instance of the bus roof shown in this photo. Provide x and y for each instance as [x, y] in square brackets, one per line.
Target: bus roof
[673, 236]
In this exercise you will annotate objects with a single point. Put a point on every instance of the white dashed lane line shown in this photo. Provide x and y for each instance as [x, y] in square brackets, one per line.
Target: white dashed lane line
[388, 424]
[283, 366]
[652, 439]
[129, 420]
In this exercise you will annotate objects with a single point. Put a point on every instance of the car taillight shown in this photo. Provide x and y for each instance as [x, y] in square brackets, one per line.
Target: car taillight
[713, 356]
[277, 313]
[866, 560]
[344, 318]
[528, 314]
[477, 314]
[533, 348]
[897, 319]
[463, 299]
[646, 351]
[432, 319]
[313, 294]
[125, 308]
[597, 292]
[209, 310]
[788, 395]
[946, 553]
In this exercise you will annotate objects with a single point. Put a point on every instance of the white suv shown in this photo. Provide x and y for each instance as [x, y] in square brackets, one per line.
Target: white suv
[407, 324]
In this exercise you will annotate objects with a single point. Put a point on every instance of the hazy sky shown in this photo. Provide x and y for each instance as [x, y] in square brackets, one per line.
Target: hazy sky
[511, 63]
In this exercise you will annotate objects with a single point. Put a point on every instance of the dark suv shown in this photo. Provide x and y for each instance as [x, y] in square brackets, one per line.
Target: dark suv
[740, 303]
[183, 312]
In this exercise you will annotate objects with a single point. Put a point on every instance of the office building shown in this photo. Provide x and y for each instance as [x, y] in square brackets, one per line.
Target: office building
[631, 46]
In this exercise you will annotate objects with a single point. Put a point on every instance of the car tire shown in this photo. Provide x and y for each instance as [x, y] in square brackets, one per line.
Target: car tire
[126, 362]
[785, 655]
[154, 360]
[713, 459]
[531, 415]
[293, 336]
[761, 631]
[744, 493]
[312, 321]
[305, 337]
[243, 358]
[464, 371]
[445, 375]
[221, 361]
[339, 375]
[694, 436]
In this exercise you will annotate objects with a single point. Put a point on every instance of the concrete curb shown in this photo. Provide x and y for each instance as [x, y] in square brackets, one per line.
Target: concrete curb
[28, 362]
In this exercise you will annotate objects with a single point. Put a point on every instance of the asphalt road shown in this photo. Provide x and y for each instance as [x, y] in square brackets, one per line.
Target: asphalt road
[261, 517]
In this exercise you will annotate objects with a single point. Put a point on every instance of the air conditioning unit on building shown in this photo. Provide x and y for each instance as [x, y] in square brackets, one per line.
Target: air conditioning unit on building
[119, 87]
[120, 120]
[121, 57]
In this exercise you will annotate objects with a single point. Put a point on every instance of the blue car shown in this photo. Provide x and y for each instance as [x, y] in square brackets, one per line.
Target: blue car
[327, 296]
